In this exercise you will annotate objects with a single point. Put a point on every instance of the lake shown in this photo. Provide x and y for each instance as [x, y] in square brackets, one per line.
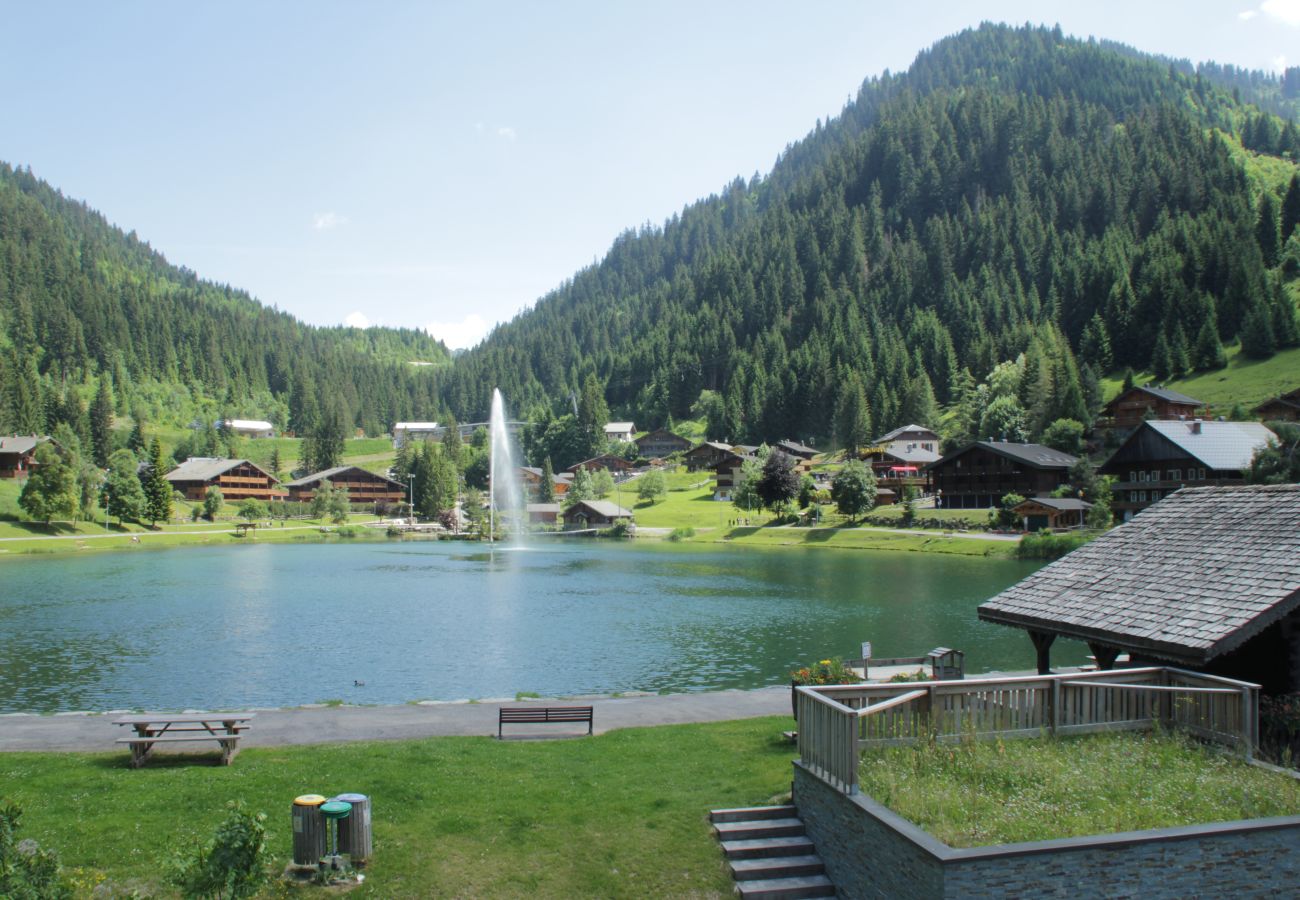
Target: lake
[283, 625]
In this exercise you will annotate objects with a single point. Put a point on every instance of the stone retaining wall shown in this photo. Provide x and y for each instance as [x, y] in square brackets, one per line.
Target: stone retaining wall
[870, 852]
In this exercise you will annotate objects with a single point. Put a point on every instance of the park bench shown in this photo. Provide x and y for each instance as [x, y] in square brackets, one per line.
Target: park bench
[151, 730]
[544, 714]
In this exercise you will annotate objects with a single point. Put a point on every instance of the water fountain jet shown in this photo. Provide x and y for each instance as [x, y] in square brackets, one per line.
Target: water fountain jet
[505, 494]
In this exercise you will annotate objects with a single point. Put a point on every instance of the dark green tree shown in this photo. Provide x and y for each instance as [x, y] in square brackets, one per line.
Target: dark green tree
[122, 495]
[1290, 214]
[1278, 462]
[157, 489]
[853, 416]
[212, 502]
[1266, 229]
[50, 491]
[546, 490]
[1208, 352]
[1065, 435]
[853, 489]
[779, 483]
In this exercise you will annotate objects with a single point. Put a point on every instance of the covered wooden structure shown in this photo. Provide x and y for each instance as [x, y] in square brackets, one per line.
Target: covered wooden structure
[237, 479]
[594, 514]
[16, 454]
[1052, 513]
[1140, 402]
[1207, 579]
[362, 485]
[1285, 408]
[661, 443]
[980, 474]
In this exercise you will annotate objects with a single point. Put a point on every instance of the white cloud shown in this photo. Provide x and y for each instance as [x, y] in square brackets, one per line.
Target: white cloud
[460, 335]
[505, 131]
[1247, 14]
[327, 220]
[1285, 11]
[1279, 64]
[357, 320]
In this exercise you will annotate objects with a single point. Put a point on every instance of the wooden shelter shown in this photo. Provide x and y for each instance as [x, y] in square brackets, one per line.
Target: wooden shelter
[615, 464]
[706, 455]
[1206, 579]
[1142, 402]
[980, 474]
[16, 454]
[363, 486]
[594, 514]
[1285, 408]
[660, 443]
[1053, 513]
[237, 479]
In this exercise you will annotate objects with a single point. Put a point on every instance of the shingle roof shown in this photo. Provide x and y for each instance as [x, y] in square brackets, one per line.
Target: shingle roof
[1220, 445]
[905, 429]
[22, 443]
[1061, 503]
[1034, 455]
[327, 474]
[798, 448]
[606, 508]
[1188, 579]
[1165, 394]
[205, 468]
[916, 456]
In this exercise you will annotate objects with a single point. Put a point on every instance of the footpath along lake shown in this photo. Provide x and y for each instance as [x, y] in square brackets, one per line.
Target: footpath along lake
[284, 625]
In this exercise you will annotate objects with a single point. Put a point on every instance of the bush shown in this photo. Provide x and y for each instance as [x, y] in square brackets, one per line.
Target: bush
[349, 531]
[232, 865]
[1046, 545]
[618, 530]
[26, 871]
[827, 671]
[678, 534]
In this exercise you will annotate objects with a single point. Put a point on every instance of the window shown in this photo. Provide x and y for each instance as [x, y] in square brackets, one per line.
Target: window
[1201, 477]
[1142, 496]
[1132, 476]
[1174, 475]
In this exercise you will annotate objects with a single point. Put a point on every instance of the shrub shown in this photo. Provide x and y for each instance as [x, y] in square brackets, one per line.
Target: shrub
[349, 531]
[26, 871]
[232, 865]
[678, 534]
[827, 671]
[1046, 545]
[908, 677]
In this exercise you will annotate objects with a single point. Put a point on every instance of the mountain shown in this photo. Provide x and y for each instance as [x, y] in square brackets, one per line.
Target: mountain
[79, 298]
[1014, 192]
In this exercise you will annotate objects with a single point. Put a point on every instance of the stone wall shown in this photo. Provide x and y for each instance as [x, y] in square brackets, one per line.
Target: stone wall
[870, 852]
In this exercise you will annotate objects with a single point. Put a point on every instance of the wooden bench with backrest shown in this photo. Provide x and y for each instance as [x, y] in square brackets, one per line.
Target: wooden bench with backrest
[544, 714]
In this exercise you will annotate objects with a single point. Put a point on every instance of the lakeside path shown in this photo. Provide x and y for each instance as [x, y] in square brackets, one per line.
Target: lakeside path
[89, 732]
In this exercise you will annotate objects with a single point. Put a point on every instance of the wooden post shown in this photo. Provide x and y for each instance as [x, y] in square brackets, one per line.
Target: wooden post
[1043, 644]
[1248, 722]
[1104, 655]
[1055, 701]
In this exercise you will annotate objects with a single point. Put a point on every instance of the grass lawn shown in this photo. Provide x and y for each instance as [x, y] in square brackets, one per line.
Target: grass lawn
[1245, 381]
[860, 538]
[622, 814]
[976, 793]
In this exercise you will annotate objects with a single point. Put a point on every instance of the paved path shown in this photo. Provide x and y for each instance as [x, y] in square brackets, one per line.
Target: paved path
[316, 725]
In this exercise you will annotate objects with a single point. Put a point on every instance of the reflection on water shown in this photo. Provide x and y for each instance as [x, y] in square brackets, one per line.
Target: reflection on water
[266, 625]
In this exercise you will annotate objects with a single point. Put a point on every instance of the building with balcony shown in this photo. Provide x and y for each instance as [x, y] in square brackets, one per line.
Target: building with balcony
[980, 474]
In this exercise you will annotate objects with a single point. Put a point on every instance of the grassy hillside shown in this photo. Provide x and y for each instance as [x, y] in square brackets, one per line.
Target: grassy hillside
[1247, 382]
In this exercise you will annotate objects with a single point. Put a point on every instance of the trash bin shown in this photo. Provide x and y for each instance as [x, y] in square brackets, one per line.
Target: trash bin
[308, 830]
[354, 831]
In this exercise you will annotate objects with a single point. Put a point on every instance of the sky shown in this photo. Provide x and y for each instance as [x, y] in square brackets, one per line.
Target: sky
[444, 165]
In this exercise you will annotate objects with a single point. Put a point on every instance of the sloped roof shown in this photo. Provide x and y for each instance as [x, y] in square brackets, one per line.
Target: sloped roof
[248, 425]
[414, 426]
[797, 448]
[916, 456]
[1290, 401]
[1034, 455]
[205, 468]
[1163, 393]
[660, 434]
[905, 429]
[1220, 445]
[618, 427]
[21, 443]
[1061, 503]
[1188, 579]
[606, 508]
[716, 445]
[328, 474]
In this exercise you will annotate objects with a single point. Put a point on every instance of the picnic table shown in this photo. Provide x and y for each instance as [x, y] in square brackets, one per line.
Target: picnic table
[152, 729]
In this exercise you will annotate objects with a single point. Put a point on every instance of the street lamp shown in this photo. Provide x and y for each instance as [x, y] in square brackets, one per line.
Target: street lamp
[411, 501]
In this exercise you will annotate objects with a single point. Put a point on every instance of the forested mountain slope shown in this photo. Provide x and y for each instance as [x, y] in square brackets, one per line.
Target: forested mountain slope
[79, 298]
[1014, 191]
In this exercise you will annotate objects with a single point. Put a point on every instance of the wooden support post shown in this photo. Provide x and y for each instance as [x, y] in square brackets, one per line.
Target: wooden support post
[1104, 655]
[1055, 699]
[1043, 644]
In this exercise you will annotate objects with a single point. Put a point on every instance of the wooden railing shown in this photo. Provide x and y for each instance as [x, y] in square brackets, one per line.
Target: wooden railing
[836, 722]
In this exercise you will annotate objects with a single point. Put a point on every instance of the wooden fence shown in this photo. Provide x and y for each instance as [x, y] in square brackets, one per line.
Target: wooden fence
[836, 722]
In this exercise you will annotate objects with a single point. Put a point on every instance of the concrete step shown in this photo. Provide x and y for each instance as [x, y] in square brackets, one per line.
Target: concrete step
[752, 813]
[786, 888]
[776, 867]
[760, 848]
[762, 828]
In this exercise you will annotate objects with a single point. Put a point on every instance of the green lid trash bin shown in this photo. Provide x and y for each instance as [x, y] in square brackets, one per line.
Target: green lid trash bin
[308, 830]
[354, 831]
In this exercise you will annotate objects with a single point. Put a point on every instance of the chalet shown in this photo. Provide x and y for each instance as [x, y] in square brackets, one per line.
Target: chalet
[594, 514]
[980, 474]
[1162, 456]
[899, 467]
[797, 450]
[726, 474]
[252, 428]
[16, 452]
[908, 438]
[1142, 402]
[543, 513]
[616, 465]
[414, 431]
[706, 455]
[1053, 513]
[363, 486]
[661, 443]
[531, 477]
[619, 431]
[238, 479]
[1285, 408]
[1207, 579]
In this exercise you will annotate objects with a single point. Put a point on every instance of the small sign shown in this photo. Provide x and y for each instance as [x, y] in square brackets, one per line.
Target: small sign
[866, 649]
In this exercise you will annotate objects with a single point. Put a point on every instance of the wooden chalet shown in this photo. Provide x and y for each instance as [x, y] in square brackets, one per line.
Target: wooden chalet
[17, 454]
[726, 474]
[594, 514]
[910, 437]
[1285, 408]
[531, 477]
[1141, 402]
[705, 455]
[1162, 456]
[363, 486]
[1052, 513]
[797, 450]
[1206, 579]
[616, 465]
[661, 443]
[543, 513]
[899, 468]
[980, 474]
[238, 479]
[405, 432]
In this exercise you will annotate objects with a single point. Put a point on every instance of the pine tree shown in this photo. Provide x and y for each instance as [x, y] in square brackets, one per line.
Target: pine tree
[1208, 352]
[852, 416]
[1094, 346]
[1257, 338]
[1266, 229]
[122, 495]
[101, 424]
[1162, 364]
[1179, 358]
[1290, 215]
[546, 490]
[157, 489]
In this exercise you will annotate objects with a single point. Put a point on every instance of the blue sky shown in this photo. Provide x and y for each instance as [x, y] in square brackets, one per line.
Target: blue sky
[444, 165]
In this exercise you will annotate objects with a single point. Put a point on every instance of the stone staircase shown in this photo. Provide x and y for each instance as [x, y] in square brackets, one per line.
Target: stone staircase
[769, 855]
